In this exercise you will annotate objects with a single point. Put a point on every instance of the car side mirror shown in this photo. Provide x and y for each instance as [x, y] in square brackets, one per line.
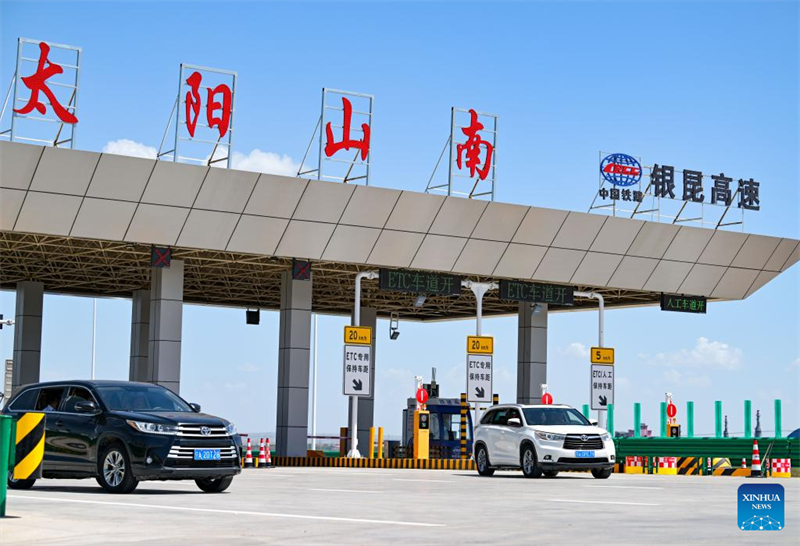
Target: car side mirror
[86, 406]
[514, 422]
[593, 422]
[195, 407]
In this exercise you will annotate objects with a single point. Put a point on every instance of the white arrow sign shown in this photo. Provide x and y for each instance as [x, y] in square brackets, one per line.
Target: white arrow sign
[602, 386]
[479, 378]
[357, 370]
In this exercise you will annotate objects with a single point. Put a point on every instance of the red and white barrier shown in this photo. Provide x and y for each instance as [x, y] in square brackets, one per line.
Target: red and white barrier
[634, 465]
[781, 468]
[667, 465]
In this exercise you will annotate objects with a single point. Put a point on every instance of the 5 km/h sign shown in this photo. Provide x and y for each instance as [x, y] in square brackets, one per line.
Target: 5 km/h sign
[602, 386]
[357, 370]
[602, 355]
[480, 345]
[358, 335]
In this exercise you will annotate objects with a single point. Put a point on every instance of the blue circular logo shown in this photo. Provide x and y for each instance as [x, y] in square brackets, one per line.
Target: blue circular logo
[621, 170]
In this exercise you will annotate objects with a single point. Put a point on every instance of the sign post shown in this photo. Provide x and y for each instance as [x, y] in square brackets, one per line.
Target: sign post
[479, 366]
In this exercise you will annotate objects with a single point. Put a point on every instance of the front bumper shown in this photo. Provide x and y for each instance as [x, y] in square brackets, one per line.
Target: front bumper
[156, 458]
[552, 456]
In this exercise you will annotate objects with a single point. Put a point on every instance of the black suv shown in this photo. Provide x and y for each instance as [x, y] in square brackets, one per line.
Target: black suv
[122, 433]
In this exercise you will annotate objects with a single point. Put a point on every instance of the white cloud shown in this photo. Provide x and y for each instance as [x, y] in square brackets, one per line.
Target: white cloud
[577, 350]
[265, 162]
[672, 376]
[248, 368]
[794, 365]
[705, 353]
[131, 148]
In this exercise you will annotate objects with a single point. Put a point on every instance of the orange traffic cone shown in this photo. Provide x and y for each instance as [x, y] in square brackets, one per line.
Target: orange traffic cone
[268, 461]
[262, 460]
[755, 468]
[248, 458]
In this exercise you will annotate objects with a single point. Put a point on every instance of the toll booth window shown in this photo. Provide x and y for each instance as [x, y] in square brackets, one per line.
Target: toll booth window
[75, 395]
[451, 424]
[436, 431]
[50, 399]
[25, 401]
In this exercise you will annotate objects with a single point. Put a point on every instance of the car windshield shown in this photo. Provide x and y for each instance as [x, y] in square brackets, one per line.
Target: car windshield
[141, 398]
[554, 416]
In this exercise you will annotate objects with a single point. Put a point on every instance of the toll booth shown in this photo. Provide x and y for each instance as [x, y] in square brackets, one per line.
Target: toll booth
[445, 426]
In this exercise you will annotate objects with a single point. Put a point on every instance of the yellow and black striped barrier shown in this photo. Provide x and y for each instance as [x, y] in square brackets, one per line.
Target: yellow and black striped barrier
[29, 442]
[347, 462]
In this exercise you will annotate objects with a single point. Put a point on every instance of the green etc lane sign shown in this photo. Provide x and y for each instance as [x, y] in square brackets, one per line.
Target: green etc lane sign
[420, 282]
[534, 292]
[683, 304]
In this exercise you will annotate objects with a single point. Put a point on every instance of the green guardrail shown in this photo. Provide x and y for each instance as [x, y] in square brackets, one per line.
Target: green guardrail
[734, 449]
[7, 449]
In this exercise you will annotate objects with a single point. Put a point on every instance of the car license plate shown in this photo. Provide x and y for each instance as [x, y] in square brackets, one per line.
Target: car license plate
[207, 455]
[584, 454]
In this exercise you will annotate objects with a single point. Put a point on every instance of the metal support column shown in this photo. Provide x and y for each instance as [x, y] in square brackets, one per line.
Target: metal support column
[140, 334]
[166, 323]
[27, 334]
[531, 352]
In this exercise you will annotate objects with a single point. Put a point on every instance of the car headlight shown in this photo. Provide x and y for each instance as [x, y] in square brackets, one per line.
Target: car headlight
[605, 437]
[550, 437]
[230, 428]
[153, 428]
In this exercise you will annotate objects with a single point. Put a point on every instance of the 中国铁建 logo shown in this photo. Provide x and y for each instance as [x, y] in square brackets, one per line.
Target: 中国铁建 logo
[621, 170]
[761, 507]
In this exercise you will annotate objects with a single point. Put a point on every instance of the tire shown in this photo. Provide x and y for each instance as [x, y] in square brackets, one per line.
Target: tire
[482, 462]
[602, 473]
[529, 462]
[114, 470]
[550, 473]
[214, 485]
[19, 484]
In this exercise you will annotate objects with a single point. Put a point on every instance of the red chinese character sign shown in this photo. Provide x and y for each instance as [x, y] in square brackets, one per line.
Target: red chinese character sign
[45, 88]
[471, 149]
[345, 131]
[203, 113]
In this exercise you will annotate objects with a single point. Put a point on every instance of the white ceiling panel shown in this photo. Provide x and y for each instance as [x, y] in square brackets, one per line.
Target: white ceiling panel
[653, 240]
[208, 229]
[667, 276]
[351, 244]
[734, 283]
[458, 216]
[156, 225]
[702, 280]
[579, 230]
[47, 213]
[520, 261]
[370, 207]
[479, 257]
[120, 177]
[632, 272]
[762, 278]
[257, 235]
[596, 269]
[616, 235]
[793, 259]
[62, 170]
[756, 251]
[323, 201]
[17, 164]
[688, 244]
[781, 254]
[500, 222]
[438, 253]
[304, 240]
[226, 190]
[539, 227]
[722, 248]
[174, 184]
[558, 265]
[395, 248]
[103, 219]
[276, 196]
[10, 203]
[414, 212]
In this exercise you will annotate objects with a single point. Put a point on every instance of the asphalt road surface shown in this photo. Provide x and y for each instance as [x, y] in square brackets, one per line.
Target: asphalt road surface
[366, 506]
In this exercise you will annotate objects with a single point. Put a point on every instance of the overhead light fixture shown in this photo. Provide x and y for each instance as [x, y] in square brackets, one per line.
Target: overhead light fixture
[253, 316]
[394, 326]
[420, 301]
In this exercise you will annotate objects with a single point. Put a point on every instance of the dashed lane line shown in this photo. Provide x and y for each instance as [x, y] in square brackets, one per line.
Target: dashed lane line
[604, 502]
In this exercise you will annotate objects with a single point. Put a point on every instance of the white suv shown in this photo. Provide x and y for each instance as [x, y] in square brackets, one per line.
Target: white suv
[541, 440]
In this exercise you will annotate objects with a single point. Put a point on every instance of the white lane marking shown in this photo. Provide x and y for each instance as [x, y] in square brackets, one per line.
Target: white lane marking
[231, 512]
[424, 481]
[345, 490]
[624, 486]
[605, 502]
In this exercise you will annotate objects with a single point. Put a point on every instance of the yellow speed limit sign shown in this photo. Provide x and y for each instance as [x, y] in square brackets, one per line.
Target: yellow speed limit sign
[480, 345]
[602, 355]
[357, 335]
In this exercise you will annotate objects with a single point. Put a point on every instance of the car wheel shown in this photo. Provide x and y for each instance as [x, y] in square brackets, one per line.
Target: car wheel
[550, 473]
[602, 473]
[214, 485]
[482, 462]
[115, 474]
[19, 484]
[529, 463]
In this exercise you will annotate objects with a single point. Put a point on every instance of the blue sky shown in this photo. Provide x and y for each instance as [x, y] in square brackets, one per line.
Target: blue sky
[707, 86]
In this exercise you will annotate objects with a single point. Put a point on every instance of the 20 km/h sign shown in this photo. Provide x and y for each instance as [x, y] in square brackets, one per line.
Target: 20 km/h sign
[602, 355]
[358, 335]
[480, 345]
[602, 386]
[357, 370]
[479, 378]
